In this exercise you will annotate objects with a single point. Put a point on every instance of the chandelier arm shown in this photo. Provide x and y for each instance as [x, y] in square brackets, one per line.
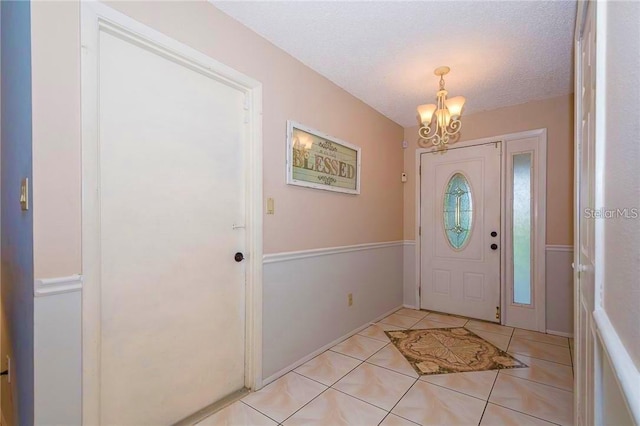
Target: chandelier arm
[454, 126]
[432, 140]
[426, 132]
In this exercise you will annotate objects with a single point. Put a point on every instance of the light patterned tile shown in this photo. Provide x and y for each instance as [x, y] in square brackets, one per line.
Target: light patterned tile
[538, 400]
[447, 319]
[375, 385]
[477, 383]
[500, 341]
[546, 372]
[285, 396]
[411, 313]
[474, 325]
[393, 420]
[429, 404]
[553, 353]
[427, 323]
[336, 408]
[328, 367]
[359, 347]
[375, 331]
[541, 337]
[400, 320]
[391, 358]
[451, 320]
[389, 327]
[496, 415]
[235, 414]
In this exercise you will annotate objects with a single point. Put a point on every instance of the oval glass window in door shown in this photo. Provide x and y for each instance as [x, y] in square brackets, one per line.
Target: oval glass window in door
[458, 211]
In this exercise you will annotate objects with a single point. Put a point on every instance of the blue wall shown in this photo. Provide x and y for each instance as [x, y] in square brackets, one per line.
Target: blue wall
[17, 226]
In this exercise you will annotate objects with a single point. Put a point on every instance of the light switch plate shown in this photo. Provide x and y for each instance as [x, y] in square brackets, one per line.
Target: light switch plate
[24, 194]
[270, 206]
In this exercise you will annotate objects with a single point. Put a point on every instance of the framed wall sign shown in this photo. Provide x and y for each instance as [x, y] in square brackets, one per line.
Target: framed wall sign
[320, 161]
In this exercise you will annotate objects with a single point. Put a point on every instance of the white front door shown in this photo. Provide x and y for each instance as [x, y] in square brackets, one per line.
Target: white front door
[460, 231]
[166, 182]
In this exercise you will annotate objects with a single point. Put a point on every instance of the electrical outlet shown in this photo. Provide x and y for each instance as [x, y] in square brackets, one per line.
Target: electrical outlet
[350, 298]
[8, 369]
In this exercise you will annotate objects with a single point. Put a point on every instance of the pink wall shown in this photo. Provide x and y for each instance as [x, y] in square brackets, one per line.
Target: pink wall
[304, 218]
[554, 114]
[56, 138]
[620, 178]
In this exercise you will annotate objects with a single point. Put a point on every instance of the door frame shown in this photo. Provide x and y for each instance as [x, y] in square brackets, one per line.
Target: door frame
[94, 16]
[540, 239]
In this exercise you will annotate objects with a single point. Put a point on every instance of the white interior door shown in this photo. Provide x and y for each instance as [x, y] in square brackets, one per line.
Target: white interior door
[585, 225]
[170, 188]
[460, 212]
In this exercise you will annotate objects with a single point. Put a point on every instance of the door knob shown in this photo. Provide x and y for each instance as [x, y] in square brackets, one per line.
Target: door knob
[239, 257]
[494, 247]
[494, 234]
[579, 268]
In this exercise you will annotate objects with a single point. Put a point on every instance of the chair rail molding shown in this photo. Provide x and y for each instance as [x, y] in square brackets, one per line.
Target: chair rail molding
[59, 285]
[559, 247]
[302, 254]
[626, 373]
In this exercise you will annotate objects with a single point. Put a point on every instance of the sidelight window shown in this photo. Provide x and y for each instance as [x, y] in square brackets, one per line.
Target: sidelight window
[521, 232]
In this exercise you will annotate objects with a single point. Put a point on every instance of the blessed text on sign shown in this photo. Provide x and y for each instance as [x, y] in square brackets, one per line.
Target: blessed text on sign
[321, 161]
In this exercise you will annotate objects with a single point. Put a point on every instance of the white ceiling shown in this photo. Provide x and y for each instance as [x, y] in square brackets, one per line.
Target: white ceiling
[500, 53]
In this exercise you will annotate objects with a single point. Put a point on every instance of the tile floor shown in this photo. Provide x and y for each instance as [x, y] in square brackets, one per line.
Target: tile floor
[364, 380]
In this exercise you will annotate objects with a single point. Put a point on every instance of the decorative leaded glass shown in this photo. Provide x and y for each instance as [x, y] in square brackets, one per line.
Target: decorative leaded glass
[458, 211]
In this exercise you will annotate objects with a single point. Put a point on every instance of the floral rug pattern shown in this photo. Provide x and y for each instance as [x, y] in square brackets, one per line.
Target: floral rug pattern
[449, 350]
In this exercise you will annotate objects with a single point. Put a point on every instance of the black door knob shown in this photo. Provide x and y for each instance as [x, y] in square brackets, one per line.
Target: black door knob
[494, 234]
[494, 247]
[239, 257]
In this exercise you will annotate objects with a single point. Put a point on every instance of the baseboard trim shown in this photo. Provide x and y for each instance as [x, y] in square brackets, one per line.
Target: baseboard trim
[560, 333]
[52, 286]
[409, 242]
[213, 408]
[317, 352]
[303, 254]
[558, 247]
[410, 307]
[626, 372]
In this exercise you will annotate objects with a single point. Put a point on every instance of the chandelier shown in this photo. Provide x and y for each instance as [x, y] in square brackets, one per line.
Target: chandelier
[440, 121]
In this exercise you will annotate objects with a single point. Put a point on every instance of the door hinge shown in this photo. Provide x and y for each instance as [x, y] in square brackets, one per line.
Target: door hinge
[420, 290]
[419, 230]
[498, 313]
[247, 109]
[419, 170]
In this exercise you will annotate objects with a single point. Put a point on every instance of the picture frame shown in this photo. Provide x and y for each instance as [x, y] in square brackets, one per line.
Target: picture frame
[320, 161]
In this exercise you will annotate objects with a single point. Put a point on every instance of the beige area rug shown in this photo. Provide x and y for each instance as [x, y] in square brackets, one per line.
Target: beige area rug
[450, 350]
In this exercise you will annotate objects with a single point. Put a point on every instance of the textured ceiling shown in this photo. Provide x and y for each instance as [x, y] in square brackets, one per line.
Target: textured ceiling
[500, 52]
